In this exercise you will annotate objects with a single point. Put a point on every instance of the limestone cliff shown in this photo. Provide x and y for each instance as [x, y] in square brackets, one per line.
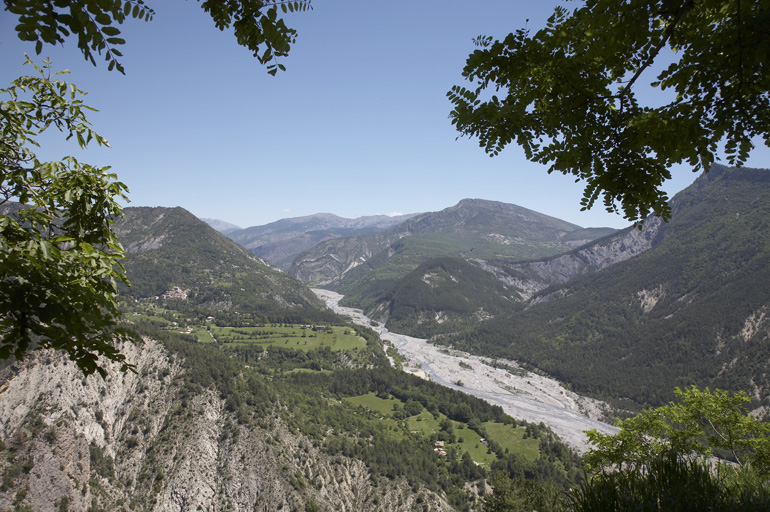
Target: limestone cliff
[529, 278]
[146, 441]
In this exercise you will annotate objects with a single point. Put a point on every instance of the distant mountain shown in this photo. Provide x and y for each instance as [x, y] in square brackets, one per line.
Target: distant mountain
[366, 266]
[691, 307]
[221, 226]
[236, 405]
[170, 247]
[281, 241]
[447, 294]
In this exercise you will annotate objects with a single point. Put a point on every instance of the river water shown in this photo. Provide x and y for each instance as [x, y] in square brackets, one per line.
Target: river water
[521, 394]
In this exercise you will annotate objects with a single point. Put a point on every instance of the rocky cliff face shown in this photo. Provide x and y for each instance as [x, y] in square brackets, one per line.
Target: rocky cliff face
[330, 261]
[145, 441]
[529, 278]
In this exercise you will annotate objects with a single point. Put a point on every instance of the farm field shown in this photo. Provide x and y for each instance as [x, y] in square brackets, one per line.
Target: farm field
[298, 337]
[461, 439]
[291, 336]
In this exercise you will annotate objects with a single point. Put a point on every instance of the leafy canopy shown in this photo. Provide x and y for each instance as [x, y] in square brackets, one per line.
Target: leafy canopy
[700, 424]
[60, 259]
[256, 25]
[568, 93]
[662, 459]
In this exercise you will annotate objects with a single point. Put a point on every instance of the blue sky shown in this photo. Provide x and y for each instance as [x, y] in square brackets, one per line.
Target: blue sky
[357, 125]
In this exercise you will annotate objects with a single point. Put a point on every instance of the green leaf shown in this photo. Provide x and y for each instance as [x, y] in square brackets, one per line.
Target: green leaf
[103, 19]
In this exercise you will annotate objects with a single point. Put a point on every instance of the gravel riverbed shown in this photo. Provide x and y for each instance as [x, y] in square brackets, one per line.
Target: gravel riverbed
[521, 394]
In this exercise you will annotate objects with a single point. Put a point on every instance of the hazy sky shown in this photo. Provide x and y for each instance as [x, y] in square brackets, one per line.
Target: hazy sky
[357, 125]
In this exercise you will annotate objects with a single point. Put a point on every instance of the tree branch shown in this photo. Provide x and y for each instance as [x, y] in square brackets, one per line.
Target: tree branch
[656, 50]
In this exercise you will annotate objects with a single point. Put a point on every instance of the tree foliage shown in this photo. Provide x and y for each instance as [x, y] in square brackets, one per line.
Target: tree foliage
[663, 458]
[671, 483]
[568, 94]
[61, 261]
[521, 495]
[701, 424]
[256, 25]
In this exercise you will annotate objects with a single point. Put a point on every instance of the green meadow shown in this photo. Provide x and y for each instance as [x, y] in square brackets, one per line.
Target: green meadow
[425, 424]
[296, 337]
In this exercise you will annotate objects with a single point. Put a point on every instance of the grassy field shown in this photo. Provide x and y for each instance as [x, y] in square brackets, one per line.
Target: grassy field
[467, 440]
[203, 335]
[471, 443]
[293, 336]
[424, 423]
[374, 403]
[513, 439]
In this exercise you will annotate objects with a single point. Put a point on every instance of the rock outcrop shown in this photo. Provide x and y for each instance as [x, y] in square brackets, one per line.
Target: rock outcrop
[529, 278]
[147, 441]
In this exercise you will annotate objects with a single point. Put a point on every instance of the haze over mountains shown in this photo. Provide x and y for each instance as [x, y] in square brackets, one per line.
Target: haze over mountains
[281, 241]
[221, 226]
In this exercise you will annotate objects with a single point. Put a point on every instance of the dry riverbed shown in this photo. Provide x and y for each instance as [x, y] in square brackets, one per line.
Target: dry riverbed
[521, 394]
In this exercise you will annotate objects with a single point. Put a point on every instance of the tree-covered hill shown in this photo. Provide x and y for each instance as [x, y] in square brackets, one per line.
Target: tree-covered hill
[170, 247]
[442, 297]
[365, 267]
[693, 309]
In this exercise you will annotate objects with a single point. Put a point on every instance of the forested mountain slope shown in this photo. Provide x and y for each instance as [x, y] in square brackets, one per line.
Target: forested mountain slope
[444, 295]
[246, 396]
[170, 247]
[693, 309]
[364, 267]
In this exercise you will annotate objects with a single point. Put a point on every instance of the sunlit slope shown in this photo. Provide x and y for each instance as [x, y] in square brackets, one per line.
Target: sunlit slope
[365, 267]
[693, 309]
[169, 247]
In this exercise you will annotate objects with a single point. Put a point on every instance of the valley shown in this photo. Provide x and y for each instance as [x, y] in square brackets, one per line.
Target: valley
[521, 394]
[406, 368]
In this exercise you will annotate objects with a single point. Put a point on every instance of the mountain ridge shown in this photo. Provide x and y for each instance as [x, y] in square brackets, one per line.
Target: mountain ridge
[222, 226]
[689, 309]
[363, 267]
[170, 247]
[281, 241]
